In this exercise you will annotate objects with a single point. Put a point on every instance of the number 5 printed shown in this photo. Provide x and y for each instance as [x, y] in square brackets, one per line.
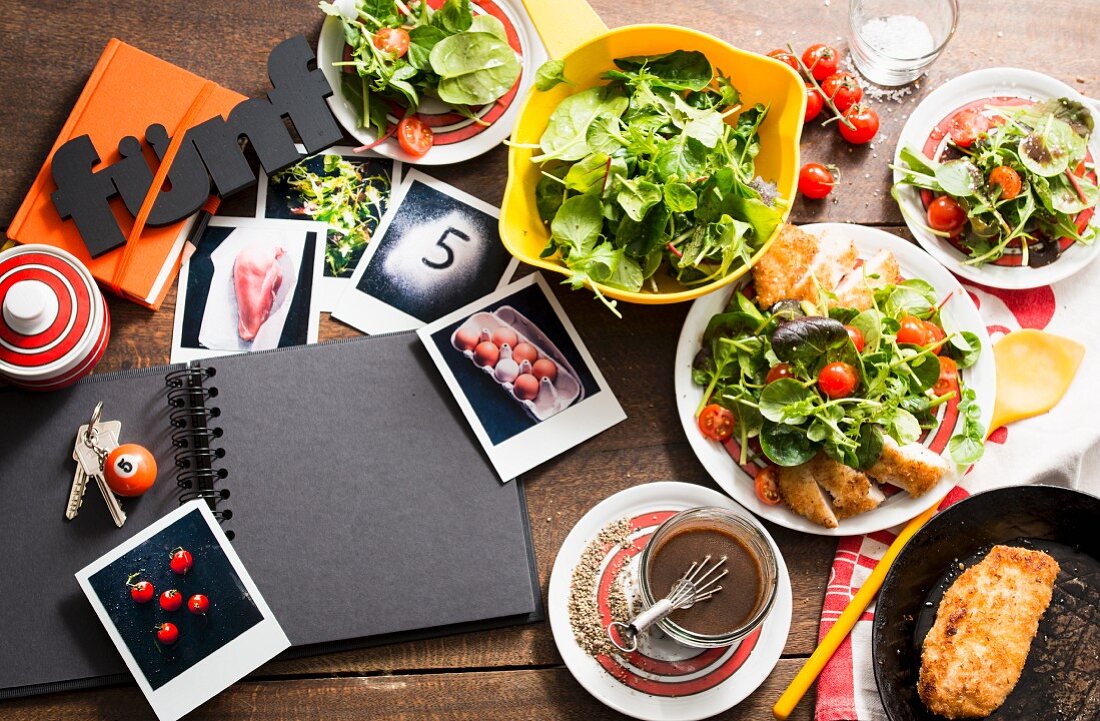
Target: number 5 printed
[449, 258]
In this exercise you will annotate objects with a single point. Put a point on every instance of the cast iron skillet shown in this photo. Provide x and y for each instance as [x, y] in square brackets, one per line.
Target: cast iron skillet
[1061, 680]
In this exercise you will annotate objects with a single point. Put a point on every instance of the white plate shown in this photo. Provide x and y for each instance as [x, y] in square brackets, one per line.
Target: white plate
[450, 148]
[959, 313]
[723, 678]
[978, 85]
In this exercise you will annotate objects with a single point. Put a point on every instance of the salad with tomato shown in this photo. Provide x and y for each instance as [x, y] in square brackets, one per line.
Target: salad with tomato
[797, 379]
[1007, 181]
[398, 53]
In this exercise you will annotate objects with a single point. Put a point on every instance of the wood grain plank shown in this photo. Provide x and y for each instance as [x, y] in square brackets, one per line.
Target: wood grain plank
[526, 694]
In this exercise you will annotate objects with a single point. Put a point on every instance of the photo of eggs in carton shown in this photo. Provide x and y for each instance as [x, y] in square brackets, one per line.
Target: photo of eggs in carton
[519, 356]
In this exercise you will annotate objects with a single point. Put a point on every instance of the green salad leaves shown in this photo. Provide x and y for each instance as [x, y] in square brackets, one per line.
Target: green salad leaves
[655, 169]
[899, 389]
[453, 55]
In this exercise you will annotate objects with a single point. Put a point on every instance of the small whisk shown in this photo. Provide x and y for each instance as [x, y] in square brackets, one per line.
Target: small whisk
[694, 586]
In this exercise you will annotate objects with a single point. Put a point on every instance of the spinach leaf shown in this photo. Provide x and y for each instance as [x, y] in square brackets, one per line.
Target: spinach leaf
[959, 178]
[678, 70]
[652, 233]
[805, 340]
[900, 424]
[966, 348]
[549, 194]
[913, 297]
[422, 39]
[870, 446]
[683, 159]
[787, 401]
[454, 16]
[1048, 150]
[786, 445]
[486, 23]
[637, 196]
[550, 74]
[603, 135]
[474, 68]
[680, 198]
[577, 223]
[566, 131]
[589, 174]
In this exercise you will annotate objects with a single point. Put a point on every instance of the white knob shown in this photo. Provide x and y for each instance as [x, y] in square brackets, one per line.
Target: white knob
[30, 307]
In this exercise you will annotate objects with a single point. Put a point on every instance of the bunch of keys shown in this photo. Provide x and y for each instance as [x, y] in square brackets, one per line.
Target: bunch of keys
[127, 469]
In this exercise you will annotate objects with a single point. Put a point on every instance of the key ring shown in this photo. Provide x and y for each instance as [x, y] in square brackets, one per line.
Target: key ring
[91, 436]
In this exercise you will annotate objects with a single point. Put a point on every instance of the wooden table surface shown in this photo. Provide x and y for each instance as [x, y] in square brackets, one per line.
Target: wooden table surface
[51, 45]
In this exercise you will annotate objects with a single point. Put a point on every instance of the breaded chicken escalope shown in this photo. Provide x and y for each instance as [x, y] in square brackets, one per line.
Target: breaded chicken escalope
[974, 653]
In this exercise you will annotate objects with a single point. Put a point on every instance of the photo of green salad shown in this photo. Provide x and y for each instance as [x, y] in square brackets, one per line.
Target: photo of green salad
[1011, 176]
[653, 172]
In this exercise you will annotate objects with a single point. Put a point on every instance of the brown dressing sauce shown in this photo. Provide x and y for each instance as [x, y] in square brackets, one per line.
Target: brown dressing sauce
[741, 590]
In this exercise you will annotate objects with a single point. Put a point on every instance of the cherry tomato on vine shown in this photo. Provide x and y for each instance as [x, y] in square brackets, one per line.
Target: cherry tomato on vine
[142, 591]
[837, 380]
[167, 633]
[843, 89]
[864, 122]
[785, 57]
[935, 335]
[777, 371]
[415, 137]
[394, 41]
[966, 126]
[181, 561]
[946, 215]
[857, 337]
[171, 600]
[815, 181]
[1008, 179]
[912, 331]
[949, 376]
[814, 103]
[766, 487]
[198, 604]
[822, 60]
[716, 422]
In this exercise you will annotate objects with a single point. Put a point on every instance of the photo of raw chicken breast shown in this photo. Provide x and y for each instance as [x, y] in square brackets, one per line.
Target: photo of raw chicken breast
[257, 278]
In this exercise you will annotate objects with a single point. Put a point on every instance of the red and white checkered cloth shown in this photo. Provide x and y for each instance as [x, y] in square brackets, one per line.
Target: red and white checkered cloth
[1066, 441]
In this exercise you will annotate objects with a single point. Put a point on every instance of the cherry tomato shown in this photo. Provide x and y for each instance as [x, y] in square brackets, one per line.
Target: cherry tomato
[815, 181]
[142, 591]
[1008, 179]
[130, 470]
[777, 371]
[857, 337]
[415, 137]
[966, 126]
[912, 331]
[181, 561]
[785, 57]
[716, 422]
[394, 41]
[171, 600]
[198, 604]
[935, 335]
[837, 380]
[814, 103]
[766, 487]
[946, 215]
[949, 376]
[167, 633]
[864, 122]
[821, 59]
[843, 89]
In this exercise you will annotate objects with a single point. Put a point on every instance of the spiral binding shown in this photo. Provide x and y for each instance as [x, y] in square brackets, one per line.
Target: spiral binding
[193, 436]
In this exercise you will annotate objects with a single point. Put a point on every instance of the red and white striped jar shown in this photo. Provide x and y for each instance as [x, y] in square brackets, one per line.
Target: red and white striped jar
[54, 325]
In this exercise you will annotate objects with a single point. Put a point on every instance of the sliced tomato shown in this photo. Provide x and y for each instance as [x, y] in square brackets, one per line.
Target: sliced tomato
[1008, 179]
[766, 487]
[716, 422]
[949, 376]
[415, 137]
[967, 125]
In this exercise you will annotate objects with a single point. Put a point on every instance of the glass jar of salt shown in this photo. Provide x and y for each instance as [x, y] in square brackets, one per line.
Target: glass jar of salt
[893, 42]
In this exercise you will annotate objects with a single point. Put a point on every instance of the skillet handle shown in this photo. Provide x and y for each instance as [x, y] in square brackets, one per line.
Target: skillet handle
[564, 24]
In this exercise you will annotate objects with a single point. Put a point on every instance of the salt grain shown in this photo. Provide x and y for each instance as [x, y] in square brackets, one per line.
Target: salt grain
[900, 36]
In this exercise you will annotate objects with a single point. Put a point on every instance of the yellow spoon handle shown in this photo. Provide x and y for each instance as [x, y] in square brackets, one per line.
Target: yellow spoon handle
[564, 24]
[847, 621]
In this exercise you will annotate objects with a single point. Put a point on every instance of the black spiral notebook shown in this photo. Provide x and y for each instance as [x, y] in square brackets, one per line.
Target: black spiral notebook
[354, 491]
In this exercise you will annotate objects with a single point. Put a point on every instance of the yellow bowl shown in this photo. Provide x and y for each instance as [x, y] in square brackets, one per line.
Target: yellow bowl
[564, 23]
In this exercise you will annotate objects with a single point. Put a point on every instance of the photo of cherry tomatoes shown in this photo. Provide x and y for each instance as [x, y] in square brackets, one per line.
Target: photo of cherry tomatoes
[822, 60]
[171, 600]
[785, 57]
[837, 380]
[181, 561]
[815, 181]
[394, 41]
[912, 331]
[716, 422]
[766, 487]
[415, 137]
[843, 89]
[142, 591]
[864, 122]
[167, 633]
[1007, 179]
[198, 604]
[967, 126]
[814, 103]
[946, 215]
[777, 371]
[857, 337]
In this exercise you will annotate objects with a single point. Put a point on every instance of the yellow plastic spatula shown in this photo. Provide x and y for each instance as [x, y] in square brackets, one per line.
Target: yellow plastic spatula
[1034, 371]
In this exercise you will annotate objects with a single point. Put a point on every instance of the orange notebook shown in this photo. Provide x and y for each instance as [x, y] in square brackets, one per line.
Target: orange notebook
[128, 90]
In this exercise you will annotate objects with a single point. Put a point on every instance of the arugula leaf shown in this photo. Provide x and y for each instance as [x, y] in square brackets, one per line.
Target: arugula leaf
[679, 70]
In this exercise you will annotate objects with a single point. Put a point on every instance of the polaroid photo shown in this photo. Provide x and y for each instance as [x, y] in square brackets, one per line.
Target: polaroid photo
[522, 376]
[250, 286]
[437, 250]
[348, 191]
[220, 631]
